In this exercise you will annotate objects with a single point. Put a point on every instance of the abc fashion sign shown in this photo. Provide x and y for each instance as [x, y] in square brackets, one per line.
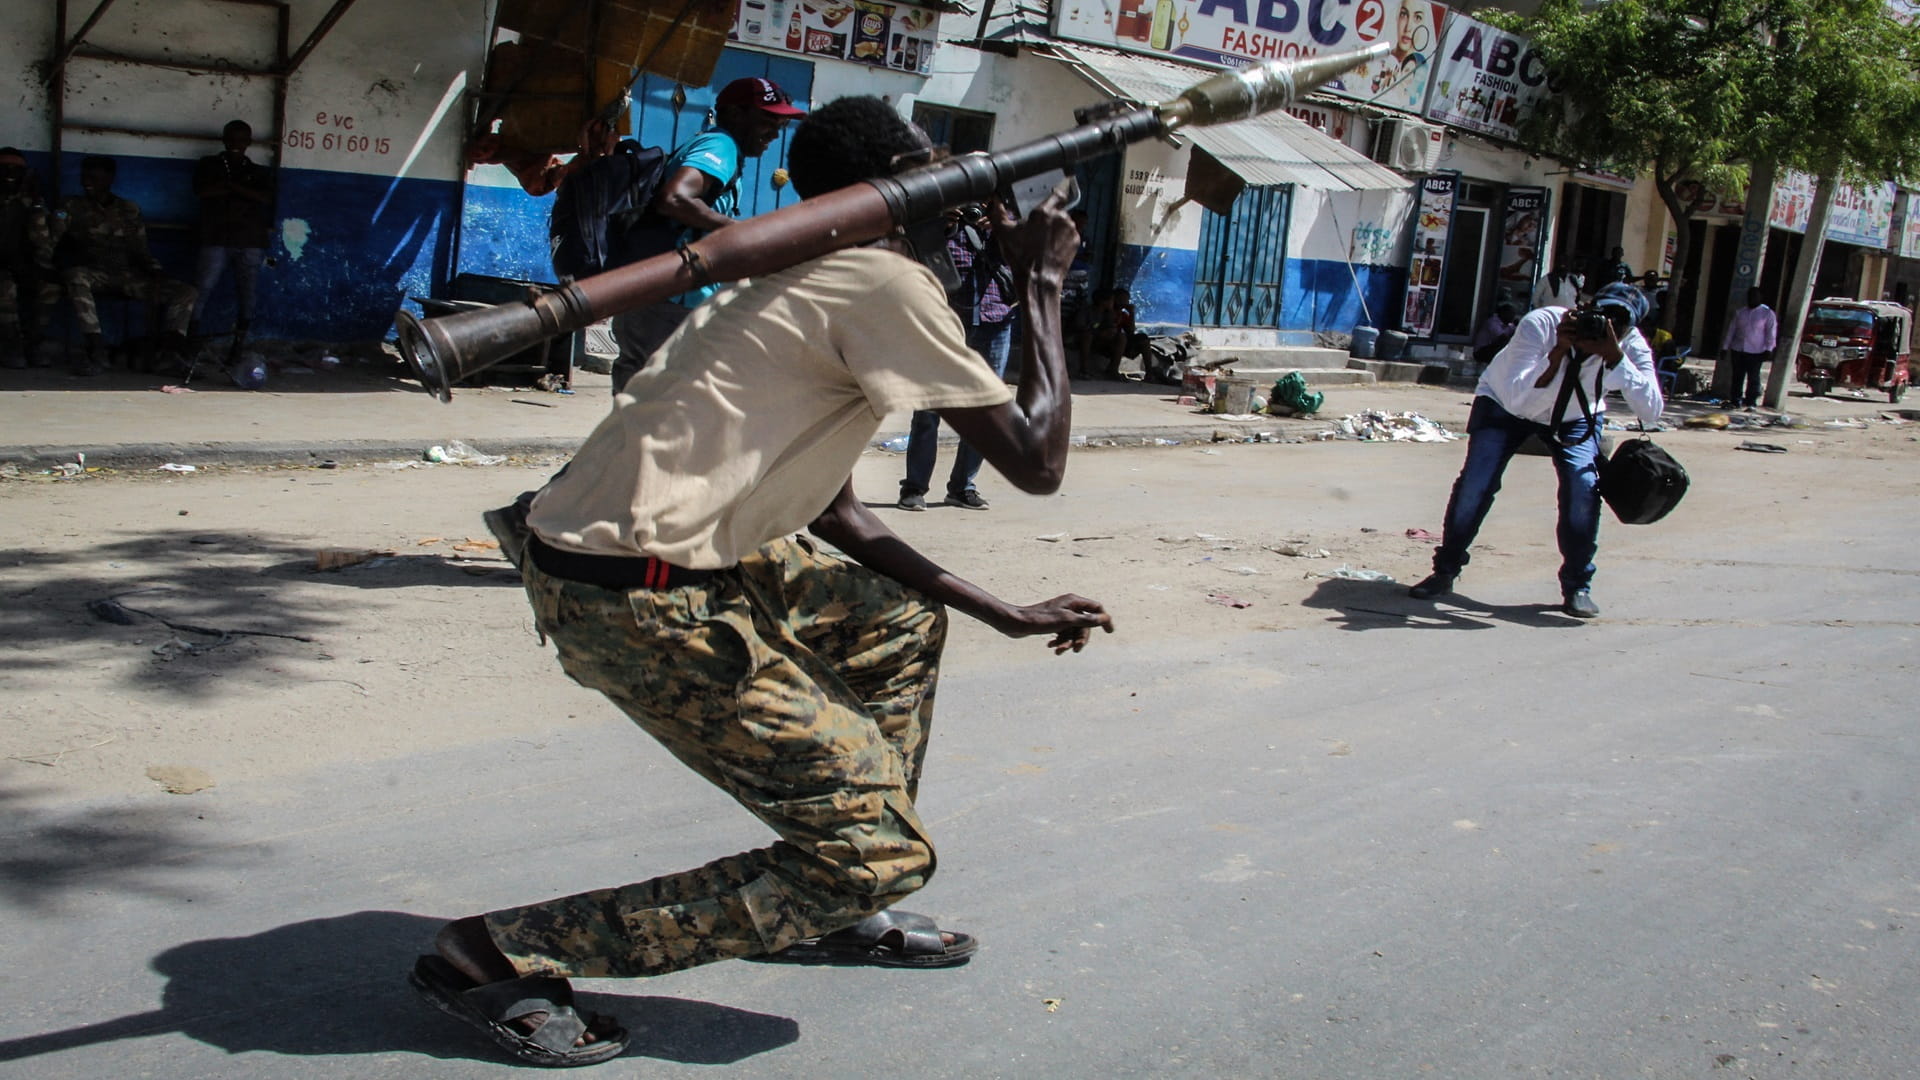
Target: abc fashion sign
[1486, 80]
[1235, 33]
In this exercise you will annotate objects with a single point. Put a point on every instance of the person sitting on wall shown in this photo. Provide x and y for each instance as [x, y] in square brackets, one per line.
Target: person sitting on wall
[1494, 334]
[1110, 333]
[106, 248]
[26, 263]
[236, 216]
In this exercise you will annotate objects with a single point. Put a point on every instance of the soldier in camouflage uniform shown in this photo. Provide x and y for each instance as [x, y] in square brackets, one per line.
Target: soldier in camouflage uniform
[26, 264]
[109, 243]
[662, 565]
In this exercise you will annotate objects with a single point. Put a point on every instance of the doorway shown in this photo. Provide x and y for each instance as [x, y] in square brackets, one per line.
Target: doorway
[1466, 248]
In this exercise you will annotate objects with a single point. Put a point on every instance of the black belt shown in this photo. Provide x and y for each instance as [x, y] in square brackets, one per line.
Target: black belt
[617, 572]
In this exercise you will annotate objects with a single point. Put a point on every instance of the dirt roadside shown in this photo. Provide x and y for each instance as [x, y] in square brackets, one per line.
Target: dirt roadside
[433, 645]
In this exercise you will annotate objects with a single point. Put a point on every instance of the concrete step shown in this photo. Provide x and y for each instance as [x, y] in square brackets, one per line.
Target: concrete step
[1264, 377]
[1267, 357]
[1401, 371]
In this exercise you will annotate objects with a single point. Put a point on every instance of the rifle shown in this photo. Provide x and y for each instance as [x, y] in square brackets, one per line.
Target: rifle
[447, 348]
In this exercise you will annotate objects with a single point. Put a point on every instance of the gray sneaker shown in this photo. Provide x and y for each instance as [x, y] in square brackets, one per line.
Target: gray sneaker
[967, 500]
[508, 525]
[1580, 605]
[1434, 584]
[912, 502]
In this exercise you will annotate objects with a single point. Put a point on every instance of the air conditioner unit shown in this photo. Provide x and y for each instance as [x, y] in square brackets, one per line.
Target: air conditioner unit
[1407, 145]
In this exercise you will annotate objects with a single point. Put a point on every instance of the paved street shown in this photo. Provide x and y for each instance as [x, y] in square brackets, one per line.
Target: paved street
[1335, 833]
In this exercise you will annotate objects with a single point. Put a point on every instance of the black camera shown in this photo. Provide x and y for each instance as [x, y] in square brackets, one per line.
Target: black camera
[1591, 324]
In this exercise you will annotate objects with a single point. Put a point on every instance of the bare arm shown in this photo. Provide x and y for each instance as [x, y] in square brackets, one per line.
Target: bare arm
[682, 198]
[1026, 439]
[848, 525]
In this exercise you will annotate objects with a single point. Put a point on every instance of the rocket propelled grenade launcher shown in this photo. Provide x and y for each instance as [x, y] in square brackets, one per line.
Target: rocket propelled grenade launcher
[448, 348]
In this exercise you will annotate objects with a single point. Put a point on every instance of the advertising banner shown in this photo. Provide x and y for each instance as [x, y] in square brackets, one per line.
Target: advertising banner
[1522, 232]
[896, 36]
[1236, 33]
[1910, 228]
[1424, 272]
[1862, 215]
[1485, 80]
[1792, 201]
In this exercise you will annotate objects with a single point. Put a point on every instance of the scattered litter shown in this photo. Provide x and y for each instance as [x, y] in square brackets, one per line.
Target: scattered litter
[179, 779]
[1214, 453]
[170, 388]
[340, 558]
[400, 464]
[1077, 440]
[1052, 1004]
[471, 544]
[329, 463]
[172, 467]
[1420, 534]
[459, 453]
[551, 383]
[426, 540]
[1052, 538]
[1228, 601]
[1291, 395]
[540, 404]
[1762, 447]
[1084, 539]
[1244, 571]
[1348, 573]
[897, 444]
[1166, 442]
[68, 468]
[1158, 588]
[1718, 421]
[1844, 424]
[1298, 551]
[9, 471]
[1373, 426]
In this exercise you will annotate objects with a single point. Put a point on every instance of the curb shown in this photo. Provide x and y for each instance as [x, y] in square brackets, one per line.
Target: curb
[366, 451]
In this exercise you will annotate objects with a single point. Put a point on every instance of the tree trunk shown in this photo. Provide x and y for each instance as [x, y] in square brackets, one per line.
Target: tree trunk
[1682, 216]
[1805, 268]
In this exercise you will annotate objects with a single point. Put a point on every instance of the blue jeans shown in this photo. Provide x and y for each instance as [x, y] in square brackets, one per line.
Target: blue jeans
[1493, 435]
[993, 341]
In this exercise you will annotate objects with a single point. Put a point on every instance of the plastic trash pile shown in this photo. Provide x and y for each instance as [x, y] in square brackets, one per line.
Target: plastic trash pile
[1391, 427]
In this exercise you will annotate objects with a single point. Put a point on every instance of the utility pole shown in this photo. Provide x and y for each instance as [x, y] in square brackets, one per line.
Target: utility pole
[1805, 268]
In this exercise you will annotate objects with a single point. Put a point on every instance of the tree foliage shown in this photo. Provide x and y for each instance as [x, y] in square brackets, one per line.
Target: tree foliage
[1697, 90]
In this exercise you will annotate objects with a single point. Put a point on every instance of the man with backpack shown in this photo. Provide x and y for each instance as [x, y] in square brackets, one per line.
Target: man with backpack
[636, 203]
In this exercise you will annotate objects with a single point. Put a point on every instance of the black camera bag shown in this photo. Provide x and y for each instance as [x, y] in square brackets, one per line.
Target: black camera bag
[1641, 483]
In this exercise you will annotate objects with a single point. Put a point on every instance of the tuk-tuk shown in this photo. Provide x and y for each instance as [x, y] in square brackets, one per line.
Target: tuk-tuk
[1863, 344]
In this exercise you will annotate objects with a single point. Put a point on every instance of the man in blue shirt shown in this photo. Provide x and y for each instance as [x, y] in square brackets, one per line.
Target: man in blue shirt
[701, 193]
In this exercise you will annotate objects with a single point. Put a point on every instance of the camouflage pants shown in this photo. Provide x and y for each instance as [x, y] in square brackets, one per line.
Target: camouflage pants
[176, 297]
[801, 685]
[46, 294]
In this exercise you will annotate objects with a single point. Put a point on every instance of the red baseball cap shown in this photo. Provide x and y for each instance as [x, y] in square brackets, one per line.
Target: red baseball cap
[762, 94]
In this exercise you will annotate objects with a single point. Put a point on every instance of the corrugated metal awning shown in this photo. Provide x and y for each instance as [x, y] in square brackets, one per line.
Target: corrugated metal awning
[1271, 149]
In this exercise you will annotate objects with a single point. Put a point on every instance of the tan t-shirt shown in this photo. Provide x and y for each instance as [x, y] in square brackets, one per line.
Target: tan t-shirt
[751, 416]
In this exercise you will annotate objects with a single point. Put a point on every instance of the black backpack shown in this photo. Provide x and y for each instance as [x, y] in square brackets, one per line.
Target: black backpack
[603, 216]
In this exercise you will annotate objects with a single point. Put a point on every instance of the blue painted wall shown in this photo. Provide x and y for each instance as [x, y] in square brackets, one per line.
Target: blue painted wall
[503, 232]
[1317, 294]
[371, 241]
[1321, 294]
[1161, 281]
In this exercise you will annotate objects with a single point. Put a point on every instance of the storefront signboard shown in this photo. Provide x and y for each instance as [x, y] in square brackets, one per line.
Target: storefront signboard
[1430, 233]
[896, 36]
[1910, 227]
[1522, 233]
[1862, 215]
[1237, 33]
[1485, 79]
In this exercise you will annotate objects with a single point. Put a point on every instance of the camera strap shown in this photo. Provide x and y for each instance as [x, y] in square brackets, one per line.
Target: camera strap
[1570, 387]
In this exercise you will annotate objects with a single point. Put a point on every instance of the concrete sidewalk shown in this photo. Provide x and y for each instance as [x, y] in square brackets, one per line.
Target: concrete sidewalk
[364, 414]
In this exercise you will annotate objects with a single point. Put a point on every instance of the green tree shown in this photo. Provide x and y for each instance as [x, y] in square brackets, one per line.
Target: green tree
[1696, 90]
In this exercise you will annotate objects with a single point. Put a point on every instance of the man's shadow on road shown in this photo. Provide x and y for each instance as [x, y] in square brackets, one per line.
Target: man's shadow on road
[337, 986]
[1383, 605]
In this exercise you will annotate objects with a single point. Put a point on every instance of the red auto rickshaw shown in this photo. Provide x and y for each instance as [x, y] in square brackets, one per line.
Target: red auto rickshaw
[1862, 344]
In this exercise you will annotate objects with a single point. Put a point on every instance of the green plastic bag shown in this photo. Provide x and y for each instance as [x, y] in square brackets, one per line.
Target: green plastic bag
[1290, 394]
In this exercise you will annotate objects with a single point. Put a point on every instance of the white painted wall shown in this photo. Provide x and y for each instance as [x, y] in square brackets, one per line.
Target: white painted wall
[381, 95]
[1363, 227]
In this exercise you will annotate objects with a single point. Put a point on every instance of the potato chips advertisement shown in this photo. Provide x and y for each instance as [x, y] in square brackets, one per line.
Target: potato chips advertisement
[896, 36]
